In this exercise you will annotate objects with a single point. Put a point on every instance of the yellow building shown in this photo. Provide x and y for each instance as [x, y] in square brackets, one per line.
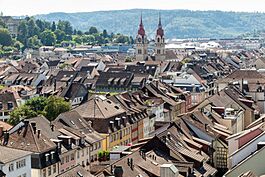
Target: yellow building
[107, 118]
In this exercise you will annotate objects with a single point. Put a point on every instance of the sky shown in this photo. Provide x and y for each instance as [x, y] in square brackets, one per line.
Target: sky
[33, 7]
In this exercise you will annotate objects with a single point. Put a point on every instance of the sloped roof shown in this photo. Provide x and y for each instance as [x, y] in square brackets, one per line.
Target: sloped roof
[9, 154]
[99, 107]
[25, 139]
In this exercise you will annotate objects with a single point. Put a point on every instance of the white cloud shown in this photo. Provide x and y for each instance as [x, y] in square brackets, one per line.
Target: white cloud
[32, 7]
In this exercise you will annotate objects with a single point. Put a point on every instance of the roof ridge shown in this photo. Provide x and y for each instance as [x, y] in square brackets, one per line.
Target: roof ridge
[34, 138]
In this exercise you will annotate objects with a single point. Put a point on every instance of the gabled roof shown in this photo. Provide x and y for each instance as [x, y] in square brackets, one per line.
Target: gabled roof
[99, 107]
[24, 138]
[73, 122]
[77, 171]
[9, 154]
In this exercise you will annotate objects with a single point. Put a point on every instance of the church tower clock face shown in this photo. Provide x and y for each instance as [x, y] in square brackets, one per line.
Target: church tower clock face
[139, 39]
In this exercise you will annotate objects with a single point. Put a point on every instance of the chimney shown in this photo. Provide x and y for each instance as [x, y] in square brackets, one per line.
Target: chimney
[131, 164]
[168, 170]
[168, 135]
[242, 85]
[111, 169]
[1, 130]
[89, 124]
[6, 138]
[52, 127]
[118, 171]
[33, 125]
[54, 84]
[206, 127]
[38, 133]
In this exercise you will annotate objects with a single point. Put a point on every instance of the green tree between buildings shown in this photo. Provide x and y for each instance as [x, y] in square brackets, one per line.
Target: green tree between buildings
[5, 37]
[49, 107]
[48, 38]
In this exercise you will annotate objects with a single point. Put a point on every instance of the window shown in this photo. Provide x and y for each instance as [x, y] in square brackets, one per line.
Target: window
[87, 151]
[99, 145]
[10, 105]
[78, 154]
[11, 167]
[21, 163]
[44, 173]
[54, 168]
[73, 156]
[52, 155]
[1, 105]
[67, 159]
[139, 51]
[47, 157]
[49, 171]
[110, 138]
[62, 161]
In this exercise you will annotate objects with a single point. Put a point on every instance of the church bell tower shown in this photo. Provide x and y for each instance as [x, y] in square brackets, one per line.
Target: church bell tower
[141, 43]
[160, 53]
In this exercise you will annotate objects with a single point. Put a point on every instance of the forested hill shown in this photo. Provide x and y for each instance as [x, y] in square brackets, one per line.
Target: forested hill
[177, 23]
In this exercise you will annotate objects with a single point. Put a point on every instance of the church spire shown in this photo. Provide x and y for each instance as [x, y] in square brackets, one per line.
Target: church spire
[159, 23]
[141, 23]
[141, 30]
[160, 30]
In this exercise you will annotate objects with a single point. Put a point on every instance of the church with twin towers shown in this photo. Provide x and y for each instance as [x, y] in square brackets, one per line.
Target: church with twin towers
[141, 42]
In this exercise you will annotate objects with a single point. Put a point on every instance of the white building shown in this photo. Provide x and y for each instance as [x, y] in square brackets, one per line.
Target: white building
[14, 162]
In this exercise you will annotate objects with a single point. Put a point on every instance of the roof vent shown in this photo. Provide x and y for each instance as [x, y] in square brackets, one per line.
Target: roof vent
[79, 174]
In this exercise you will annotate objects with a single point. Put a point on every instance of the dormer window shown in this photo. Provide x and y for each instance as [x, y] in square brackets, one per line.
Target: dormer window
[47, 157]
[52, 155]
[82, 141]
[10, 106]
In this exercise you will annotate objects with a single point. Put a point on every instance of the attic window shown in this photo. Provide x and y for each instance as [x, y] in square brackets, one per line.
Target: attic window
[116, 107]
[72, 122]
[47, 157]
[109, 101]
